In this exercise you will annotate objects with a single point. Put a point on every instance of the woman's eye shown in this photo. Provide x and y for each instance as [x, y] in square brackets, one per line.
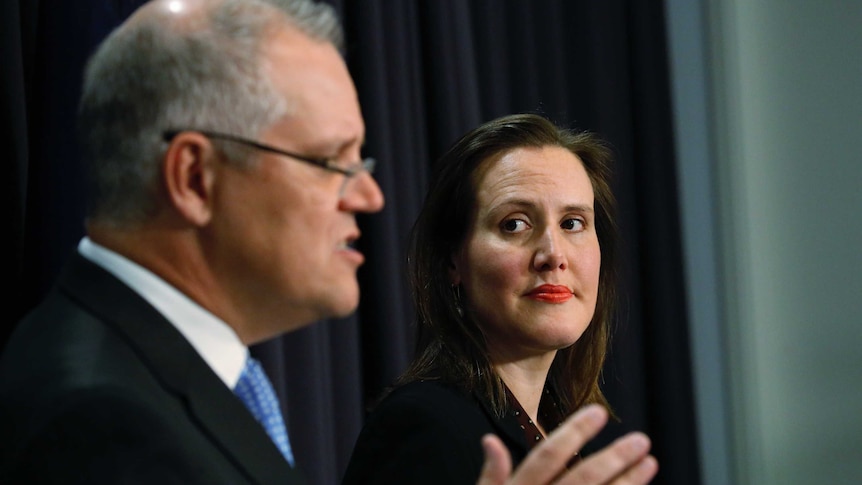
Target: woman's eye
[513, 225]
[572, 224]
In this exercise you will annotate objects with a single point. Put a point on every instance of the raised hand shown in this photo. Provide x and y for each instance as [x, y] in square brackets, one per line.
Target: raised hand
[626, 461]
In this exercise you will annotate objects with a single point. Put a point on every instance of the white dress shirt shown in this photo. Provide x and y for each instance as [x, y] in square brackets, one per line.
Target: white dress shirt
[214, 340]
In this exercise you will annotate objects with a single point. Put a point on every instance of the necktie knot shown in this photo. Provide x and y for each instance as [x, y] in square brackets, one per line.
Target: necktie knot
[255, 391]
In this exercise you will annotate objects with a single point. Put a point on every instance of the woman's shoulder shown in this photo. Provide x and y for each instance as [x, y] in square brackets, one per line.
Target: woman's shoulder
[429, 399]
[421, 433]
[428, 388]
[431, 402]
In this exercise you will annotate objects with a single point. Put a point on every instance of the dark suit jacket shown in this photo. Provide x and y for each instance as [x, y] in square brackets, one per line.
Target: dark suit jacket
[97, 387]
[429, 433]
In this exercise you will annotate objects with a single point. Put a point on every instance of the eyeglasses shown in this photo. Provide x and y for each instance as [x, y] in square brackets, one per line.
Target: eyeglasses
[367, 164]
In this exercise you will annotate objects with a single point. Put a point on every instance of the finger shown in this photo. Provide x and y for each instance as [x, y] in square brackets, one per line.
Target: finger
[498, 462]
[548, 460]
[611, 462]
[640, 473]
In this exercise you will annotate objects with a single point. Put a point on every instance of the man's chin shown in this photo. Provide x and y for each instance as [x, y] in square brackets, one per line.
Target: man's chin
[340, 303]
[346, 308]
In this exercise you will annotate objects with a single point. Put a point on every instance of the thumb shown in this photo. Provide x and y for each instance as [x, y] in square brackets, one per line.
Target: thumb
[498, 462]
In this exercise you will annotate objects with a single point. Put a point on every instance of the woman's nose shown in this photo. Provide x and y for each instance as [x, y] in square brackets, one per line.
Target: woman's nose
[549, 255]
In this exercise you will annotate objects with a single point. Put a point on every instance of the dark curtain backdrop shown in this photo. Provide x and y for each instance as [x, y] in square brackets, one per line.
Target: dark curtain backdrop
[426, 71]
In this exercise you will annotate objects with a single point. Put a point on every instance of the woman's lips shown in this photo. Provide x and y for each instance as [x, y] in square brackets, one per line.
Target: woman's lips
[551, 294]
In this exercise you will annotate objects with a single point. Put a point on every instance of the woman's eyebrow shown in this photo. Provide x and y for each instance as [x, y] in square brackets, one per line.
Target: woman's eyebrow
[520, 202]
[579, 208]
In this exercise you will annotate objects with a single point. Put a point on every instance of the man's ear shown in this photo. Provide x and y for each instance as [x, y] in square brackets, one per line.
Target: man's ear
[188, 176]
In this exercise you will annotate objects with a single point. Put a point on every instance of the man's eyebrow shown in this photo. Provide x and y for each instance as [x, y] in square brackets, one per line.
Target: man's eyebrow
[344, 145]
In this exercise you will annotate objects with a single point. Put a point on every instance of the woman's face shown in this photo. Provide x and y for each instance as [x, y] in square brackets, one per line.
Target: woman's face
[530, 264]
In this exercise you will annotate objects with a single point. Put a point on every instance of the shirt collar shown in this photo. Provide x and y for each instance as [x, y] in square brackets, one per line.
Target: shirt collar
[214, 340]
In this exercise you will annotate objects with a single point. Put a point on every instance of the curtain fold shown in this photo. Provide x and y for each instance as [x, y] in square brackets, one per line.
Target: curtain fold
[426, 72]
[16, 39]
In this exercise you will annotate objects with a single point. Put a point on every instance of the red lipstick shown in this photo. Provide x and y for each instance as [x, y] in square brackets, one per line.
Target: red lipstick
[551, 294]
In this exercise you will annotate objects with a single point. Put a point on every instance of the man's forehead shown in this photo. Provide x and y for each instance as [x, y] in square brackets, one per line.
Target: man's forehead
[322, 103]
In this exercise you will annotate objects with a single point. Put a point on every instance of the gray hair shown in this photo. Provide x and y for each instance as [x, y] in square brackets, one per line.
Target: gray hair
[157, 73]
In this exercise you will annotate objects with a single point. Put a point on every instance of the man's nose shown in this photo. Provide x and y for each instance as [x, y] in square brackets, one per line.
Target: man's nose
[362, 194]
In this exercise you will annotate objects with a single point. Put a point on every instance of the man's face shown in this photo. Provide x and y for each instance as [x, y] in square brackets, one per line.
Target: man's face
[284, 228]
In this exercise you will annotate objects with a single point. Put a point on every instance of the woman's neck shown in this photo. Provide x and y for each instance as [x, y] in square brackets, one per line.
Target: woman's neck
[526, 380]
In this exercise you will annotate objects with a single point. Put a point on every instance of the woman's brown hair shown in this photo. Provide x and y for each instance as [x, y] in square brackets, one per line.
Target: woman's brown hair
[450, 345]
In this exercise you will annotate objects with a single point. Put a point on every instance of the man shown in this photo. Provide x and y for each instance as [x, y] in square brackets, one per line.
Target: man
[223, 138]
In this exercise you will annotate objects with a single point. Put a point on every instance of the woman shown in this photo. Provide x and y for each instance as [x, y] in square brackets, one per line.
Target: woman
[512, 270]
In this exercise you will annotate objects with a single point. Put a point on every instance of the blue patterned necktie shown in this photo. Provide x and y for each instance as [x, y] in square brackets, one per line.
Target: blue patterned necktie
[256, 392]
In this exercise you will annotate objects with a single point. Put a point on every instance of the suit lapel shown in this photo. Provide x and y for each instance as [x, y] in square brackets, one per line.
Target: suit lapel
[507, 428]
[182, 372]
